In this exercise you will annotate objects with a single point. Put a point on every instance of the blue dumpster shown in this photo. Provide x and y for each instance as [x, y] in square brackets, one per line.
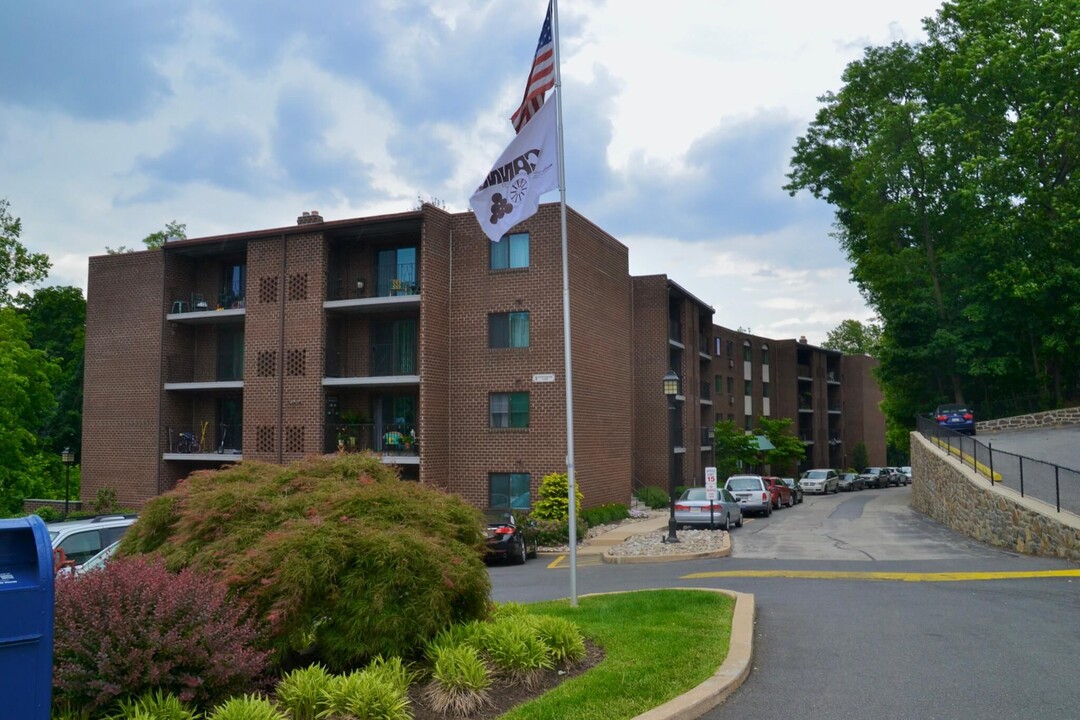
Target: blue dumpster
[26, 619]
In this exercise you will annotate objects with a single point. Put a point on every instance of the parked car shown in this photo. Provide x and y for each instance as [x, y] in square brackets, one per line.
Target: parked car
[850, 481]
[508, 538]
[751, 492]
[956, 416]
[906, 469]
[692, 509]
[897, 476]
[795, 488]
[877, 477]
[782, 496]
[821, 480]
[76, 541]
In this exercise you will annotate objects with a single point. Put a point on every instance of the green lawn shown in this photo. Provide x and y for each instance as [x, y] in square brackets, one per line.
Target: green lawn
[658, 644]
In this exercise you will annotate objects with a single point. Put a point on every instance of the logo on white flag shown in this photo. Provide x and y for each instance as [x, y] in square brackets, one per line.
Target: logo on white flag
[527, 169]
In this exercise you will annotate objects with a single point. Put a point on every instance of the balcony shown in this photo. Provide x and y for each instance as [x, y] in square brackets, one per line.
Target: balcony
[197, 309]
[396, 287]
[802, 372]
[190, 444]
[396, 445]
[706, 393]
[180, 374]
[385, 364]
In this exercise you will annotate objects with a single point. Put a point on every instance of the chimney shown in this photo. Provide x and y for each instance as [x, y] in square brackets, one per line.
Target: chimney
[802, 339]
[309, 218]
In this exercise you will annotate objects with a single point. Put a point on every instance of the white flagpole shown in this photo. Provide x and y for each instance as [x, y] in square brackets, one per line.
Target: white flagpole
[566, 316]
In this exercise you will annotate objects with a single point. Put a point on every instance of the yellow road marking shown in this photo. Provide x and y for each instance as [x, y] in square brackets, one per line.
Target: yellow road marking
[966, 459]
[894, 576]
[563, 561]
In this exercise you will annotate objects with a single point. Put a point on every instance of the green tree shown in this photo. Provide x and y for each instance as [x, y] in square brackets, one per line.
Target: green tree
[734, 449]
[18, 266]
[56, 320]
[787, 450]
[173, 231]
[852, 337]
[951, 166]
[860, 456]
[26, 377]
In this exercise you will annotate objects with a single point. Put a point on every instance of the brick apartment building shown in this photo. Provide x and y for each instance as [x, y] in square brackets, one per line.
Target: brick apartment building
[413, 336]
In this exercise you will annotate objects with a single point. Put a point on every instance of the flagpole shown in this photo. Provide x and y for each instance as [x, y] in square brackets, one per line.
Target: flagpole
[571, 493]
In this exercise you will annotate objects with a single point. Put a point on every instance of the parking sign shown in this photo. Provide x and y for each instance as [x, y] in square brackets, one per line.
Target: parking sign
[710, 483]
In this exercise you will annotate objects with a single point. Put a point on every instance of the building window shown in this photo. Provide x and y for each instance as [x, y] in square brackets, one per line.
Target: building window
[719, 384]
[509, 410]
[748, 387]
[731, 386]
[510, 252]
[764, 389]
[716, 346]
[749, 421]
[764, 354]
[731, 348]
[508, 330]
[747, 352]
[508, 490]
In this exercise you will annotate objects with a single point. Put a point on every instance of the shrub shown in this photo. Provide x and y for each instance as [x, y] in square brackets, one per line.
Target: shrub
[155, 705]
[133, 627]
[557, 532]
[247, 707]
[335, 551]
[516, 651]
[369, 694]
[47, 514]
[460, 680]
[553, 501]
[604, 514]
[563, 638]
[301, 691]
[654, 497]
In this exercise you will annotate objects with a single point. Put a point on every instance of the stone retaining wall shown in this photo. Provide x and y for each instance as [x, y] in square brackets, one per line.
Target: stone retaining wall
[1049, 418]
[956, 496]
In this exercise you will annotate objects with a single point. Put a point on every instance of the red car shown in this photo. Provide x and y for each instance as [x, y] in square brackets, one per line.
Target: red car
[782, 496]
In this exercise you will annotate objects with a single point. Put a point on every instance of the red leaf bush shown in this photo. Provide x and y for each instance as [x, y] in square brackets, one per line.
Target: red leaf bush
[133, 626]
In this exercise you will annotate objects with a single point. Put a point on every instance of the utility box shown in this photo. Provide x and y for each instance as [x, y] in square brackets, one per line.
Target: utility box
[26, 619]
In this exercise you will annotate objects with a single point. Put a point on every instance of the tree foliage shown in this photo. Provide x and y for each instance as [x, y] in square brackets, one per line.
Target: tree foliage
[18, 266]
[852, 337]
[787, 450]
[734, 449]
[952, 169]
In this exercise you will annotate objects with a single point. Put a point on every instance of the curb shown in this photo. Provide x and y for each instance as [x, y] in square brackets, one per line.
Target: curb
[731, 674]
[724, 551]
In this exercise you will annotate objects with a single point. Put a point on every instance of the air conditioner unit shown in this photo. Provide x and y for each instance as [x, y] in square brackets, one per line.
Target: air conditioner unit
[731, 363]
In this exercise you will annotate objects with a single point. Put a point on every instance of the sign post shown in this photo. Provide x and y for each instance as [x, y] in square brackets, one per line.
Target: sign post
[710, 492]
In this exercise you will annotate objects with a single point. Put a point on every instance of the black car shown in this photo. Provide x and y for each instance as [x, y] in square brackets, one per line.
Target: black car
[509, 538]
[796, 488]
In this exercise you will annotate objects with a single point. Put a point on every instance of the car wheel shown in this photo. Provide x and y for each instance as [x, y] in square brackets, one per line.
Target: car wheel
[535, 549]
[727, 522]
[738, 523]
[520, 556]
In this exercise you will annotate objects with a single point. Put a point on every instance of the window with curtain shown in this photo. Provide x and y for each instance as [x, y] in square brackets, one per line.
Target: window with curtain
[508, 490]
[508, 330]
[393, 347]
[509, 410]
[510, 252]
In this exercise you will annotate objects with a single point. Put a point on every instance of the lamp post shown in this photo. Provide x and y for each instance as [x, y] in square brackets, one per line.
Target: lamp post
[68, 458]
[671, 389]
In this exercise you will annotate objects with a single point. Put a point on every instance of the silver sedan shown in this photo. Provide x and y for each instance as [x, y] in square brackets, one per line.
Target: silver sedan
[692, 510]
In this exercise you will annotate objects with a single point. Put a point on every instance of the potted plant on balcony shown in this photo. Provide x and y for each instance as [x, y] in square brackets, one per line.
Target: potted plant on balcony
[348, 429]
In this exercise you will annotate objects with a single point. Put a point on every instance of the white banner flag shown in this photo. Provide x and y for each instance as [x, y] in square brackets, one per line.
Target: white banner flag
[527, 169]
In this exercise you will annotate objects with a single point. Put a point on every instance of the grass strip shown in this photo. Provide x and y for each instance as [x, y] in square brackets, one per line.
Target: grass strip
[658, 645]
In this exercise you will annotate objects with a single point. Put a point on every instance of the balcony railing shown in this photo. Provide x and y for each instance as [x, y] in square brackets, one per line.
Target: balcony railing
[802, 371]
[385, 359]
[187, 302]
[345, 437]
[706, 390]
[220, 439]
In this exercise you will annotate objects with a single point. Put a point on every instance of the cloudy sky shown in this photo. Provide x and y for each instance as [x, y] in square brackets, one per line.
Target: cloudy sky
[119, 116]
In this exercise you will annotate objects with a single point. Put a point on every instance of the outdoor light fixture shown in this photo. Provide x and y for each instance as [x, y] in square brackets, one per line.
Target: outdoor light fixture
[671, 389]
[68, 458]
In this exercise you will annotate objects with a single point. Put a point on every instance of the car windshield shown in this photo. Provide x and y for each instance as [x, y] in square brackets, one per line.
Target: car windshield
[788, 481]
[953, 408]
[744, 483]
[498, 517]
[816, 475]
[871, 471]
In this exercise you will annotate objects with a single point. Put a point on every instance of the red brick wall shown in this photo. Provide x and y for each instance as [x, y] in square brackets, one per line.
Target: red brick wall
[650, 353]
[122, 384]
[863, 419]
[436, 306]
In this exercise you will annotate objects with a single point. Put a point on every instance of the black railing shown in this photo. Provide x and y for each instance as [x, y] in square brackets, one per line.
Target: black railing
[1050, 483]
[706, 390]
[205, 439]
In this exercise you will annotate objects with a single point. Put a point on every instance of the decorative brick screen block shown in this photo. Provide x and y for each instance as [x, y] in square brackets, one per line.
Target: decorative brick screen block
[296, 363]
[298, 287]
[264, 438]
[266, 365]
[294, 439]
[268, 289]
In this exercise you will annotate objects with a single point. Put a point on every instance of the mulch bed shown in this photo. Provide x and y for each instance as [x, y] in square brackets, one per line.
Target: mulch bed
[504, 697]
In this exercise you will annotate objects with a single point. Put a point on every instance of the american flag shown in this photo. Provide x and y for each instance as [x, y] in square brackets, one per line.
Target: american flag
[541, 79]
